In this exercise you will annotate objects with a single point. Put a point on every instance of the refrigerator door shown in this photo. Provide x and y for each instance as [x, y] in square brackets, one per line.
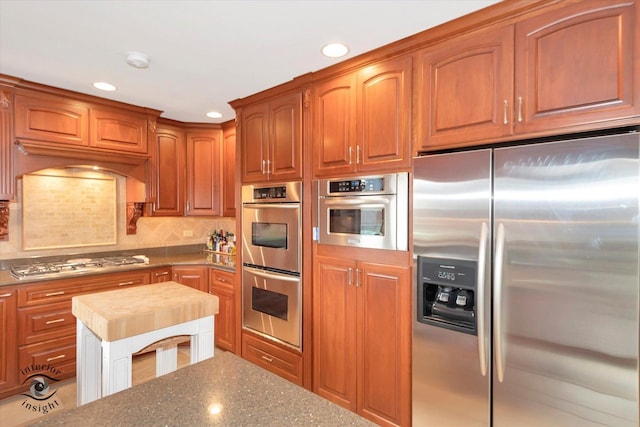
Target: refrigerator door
[566, 283]
[451, 219]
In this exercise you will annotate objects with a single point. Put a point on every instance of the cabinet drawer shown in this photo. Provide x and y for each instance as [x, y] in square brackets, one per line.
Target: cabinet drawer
[59, 356]
[273, 358]
[42, 323]
[160, 275]
[223, 280]
[64, 290]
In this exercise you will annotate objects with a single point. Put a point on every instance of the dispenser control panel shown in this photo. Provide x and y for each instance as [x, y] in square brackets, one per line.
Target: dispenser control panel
[446, 293]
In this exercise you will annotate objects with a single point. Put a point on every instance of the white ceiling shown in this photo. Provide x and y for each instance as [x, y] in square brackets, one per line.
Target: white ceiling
[203, 53]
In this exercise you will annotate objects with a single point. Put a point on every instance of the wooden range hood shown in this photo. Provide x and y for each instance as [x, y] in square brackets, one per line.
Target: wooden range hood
[30, 157]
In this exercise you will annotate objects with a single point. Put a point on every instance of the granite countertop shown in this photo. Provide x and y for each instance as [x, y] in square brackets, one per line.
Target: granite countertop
[225, 390]
[158, 257]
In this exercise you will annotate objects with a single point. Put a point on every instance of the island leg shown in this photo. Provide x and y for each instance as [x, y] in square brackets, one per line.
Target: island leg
[88, 364]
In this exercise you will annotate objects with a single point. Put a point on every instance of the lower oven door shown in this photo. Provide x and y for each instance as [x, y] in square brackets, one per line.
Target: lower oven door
[271, 304]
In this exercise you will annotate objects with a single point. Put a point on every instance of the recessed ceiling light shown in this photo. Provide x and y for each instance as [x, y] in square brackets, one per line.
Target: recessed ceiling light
[335, 50]
[214, 114]
[104, 86]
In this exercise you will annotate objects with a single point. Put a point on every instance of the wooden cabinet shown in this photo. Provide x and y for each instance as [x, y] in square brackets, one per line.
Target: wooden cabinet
[229, 168]
[204, 175]
[167, 174]
[40, 328]
[68, 124]
[118, 131]
[569, 69]
[8, 339]
[363, 120]
[160, 275]
[577, 65]
[194, 276]
[7, 179]
[223, 285]
[52, 119]
[465, 89]
[271, 140]
[275, 358]
[361, 330]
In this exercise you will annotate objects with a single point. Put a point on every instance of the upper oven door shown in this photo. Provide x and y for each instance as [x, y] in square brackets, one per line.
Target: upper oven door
[363, 221]
[271, 235]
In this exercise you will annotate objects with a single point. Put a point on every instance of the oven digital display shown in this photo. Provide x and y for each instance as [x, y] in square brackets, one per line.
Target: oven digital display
[269, 234]
[269, 302]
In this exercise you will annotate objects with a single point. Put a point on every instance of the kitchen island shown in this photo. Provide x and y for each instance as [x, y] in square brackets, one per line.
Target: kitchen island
[225, 390]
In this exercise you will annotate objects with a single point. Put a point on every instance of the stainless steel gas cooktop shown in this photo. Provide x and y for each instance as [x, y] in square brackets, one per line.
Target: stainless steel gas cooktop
[75, 265]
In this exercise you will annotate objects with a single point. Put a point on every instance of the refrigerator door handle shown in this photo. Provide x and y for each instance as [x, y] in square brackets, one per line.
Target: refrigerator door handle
[497, 303]
[480, 287]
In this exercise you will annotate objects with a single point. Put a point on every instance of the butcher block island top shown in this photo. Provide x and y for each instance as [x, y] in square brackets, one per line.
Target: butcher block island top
[122, 313]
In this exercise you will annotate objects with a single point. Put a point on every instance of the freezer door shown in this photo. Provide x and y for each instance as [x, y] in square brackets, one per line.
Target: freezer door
[566, 283]
[451, 220]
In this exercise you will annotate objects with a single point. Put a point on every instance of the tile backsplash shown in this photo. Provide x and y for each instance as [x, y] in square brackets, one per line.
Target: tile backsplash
[151, 231]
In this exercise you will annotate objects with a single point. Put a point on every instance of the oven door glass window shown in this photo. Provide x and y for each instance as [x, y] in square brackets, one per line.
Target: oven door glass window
[360, 221]
[269, 302]
[269, 234]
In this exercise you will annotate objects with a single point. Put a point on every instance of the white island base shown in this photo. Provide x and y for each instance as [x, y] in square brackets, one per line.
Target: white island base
[114, 325]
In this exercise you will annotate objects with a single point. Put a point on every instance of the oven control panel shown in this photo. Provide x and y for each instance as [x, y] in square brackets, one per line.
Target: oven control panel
[357, 185]
[279, 192]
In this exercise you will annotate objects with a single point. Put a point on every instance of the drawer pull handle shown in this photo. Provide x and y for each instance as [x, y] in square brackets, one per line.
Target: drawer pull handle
[5, 295]
[62, 356]
[220, 279]
[125, 283]
[52, 294]
[164, 273]
[268, 359]
[51, 322]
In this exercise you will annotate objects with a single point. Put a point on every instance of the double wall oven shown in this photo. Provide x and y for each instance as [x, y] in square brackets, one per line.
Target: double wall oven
[272, 261]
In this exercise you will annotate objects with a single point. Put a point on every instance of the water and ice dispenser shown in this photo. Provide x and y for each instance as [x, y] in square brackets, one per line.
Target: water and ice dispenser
[446, 293]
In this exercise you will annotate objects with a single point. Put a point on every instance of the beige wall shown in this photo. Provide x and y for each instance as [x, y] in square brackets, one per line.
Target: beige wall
[151, 232]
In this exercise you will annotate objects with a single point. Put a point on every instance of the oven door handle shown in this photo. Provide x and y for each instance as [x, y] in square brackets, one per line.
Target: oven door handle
[269, 275]
[368, 202]
[283, 205]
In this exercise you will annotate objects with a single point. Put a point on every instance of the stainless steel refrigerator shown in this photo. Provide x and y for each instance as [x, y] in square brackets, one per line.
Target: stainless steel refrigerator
[526, 285]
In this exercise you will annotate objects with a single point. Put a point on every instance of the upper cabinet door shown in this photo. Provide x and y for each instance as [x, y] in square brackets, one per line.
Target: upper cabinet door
[168, 164]
[576, 65]
[204, 175]
[229, 169]
[383, 125]
[53, 120]
[285, 143]
[254, 131]
[465, 88]
[271, 140]
[334, 126]
[119, 131]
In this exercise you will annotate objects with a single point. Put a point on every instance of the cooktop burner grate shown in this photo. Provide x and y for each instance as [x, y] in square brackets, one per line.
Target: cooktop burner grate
[73, 265]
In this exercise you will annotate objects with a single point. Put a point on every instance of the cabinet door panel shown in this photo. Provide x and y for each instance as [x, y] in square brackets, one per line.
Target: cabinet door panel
[334, 332]
[384, 115]
[118, 131]
[51, 121]
[204, 174]
[463, 89]
[285, 142]
[383, 359]
[169, 161]
[254, 133]
[196, 277]
[229, 170]
[576, 65]
[8, 341]
[334, 126]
